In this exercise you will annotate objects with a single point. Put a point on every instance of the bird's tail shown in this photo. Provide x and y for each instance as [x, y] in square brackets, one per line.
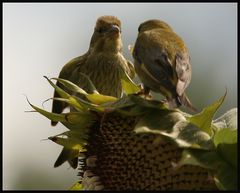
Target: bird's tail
[185, 101]
[181, 100]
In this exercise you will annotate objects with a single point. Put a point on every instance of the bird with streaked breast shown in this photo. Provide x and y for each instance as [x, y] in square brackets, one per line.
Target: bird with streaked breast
[103, 63]
[162, 62]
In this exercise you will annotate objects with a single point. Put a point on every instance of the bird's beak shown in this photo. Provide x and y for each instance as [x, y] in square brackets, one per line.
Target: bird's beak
[114, 29]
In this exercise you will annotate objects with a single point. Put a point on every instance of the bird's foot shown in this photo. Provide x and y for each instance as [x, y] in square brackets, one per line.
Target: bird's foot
[145, 93]
[165, 102]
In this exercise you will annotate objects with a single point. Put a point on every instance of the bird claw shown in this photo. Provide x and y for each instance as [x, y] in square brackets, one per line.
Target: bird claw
[144, 92]
[164, 101]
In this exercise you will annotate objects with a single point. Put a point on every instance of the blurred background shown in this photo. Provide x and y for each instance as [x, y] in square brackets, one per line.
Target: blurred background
[39, 38]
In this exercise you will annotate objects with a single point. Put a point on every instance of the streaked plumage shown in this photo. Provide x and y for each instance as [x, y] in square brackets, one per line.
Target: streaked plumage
[103, 63]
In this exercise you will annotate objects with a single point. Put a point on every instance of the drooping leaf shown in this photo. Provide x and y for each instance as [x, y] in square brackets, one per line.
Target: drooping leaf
[225, 175]
[88, 105]
[69, 143]
[198, 157]
[70, 85]
[160, 120]
[73, 143]
[73, 102]
[85, 119]
[228, 152]
[226, 143]
[194, 136]
[100, 99]
[123, 102]
[79, 103]
[173, 126]
[60, 91]
[95, 97]
[135, 110]
[71, 99]
[75, 134]
[225, 135]
[127, 107]
[51, 116]
[128, 85]
[138, 100]
[90, 84]
[70, 155]
[72, 120]
[204, 119]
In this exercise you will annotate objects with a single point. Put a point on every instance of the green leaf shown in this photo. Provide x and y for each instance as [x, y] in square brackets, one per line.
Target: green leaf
[194, 136]
[75, 134]
[73, 102]
[76, 102]
[132, 110]
[128, 85]
[198, 157]
[228, 152]
[70, 155]
[70, 85]
[225, 135]
[100, 99]
[123, 102]
[90, 84]
[95, 97]
[60, 91]
[51, 116]
[204, 119]
[77, 186]
[226, 143]
[69, 143]
[225, 175]
[160, 120]
[85, 119]
[88, 105]
[173, 126]
[72, 120]
[138, 100]
[128, 107]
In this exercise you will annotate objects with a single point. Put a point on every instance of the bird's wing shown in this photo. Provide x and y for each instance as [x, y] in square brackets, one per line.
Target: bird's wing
[131, 70]
[183, 70]
[66, 73]
[154, 60]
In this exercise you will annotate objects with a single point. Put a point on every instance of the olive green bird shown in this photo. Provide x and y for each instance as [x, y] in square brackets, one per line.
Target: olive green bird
[103, 63]
[162, 62]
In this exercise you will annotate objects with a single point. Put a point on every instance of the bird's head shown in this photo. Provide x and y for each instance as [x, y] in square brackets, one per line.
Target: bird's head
[153, 24]
[107, 34]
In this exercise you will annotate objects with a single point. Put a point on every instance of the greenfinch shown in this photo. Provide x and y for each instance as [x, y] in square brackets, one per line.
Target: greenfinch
[103, 63]
[162, 62]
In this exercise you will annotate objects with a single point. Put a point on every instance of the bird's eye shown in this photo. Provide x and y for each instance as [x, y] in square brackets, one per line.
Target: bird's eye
[100, 30]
